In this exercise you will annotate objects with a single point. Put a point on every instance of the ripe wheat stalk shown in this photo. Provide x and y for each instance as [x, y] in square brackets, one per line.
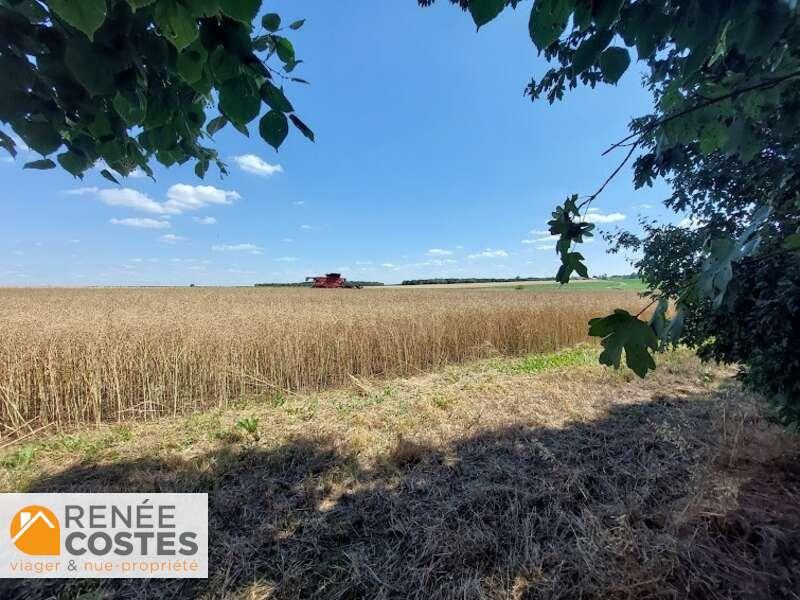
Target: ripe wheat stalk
[70, 357]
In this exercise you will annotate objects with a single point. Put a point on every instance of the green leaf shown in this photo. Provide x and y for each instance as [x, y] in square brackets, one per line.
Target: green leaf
[190, 62]
[73, 162]
[548, 21]
[38, 135]
[203, 8]
[216, 124]
[107, 174]
[589, 50]
[717, 270]
[176, 23]
[304, 129]
[571, 262]
[131, 107]
[137, 4]
[42, 164]
[92, 69]
[297, 24]
[614, 62]
[483, 11]
[622, 331]
[275, 98]
[274, 128]
[271, 22]
[239, 100]
[7, 143]
[85, 15]
[792, 242]
[241, 10]
[223, 64]
[284, 49]
[605, 12]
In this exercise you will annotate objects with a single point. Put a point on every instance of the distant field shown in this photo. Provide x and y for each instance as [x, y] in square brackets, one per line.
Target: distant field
[594, 285]
[71, 356]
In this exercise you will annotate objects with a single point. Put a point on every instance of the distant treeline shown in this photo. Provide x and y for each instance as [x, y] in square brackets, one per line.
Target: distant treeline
[472, 280]
[308, 284]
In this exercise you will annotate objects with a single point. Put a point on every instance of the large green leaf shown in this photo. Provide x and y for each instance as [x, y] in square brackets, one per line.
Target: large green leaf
[275, 98]
[483, 11]
[284, 49]
[85, 15]
[274, 128]
[131, 106]
[614, 62]
[176, 23]
[223, 64]
[717, 269]
[38, 135]
[239, 100]
[191, 61]
[571, 262]
[271, 22]
[605, 12]
[589, 51]
[622, 331]
[91, 68]
[73, 162]
[548, 20]
[241, 10]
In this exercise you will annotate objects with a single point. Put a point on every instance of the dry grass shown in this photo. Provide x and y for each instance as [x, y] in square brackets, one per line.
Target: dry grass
[503, 479]
[69, 357]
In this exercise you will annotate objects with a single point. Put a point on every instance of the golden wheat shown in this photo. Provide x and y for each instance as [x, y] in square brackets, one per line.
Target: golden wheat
[75, 356]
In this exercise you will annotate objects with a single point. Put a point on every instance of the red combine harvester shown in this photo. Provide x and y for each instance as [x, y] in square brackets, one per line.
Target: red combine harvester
[331, 281]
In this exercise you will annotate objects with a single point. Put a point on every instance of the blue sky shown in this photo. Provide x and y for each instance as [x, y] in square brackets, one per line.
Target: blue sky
[428, 162]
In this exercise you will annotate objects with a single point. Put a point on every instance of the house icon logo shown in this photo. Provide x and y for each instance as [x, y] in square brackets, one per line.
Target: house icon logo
[35, 531]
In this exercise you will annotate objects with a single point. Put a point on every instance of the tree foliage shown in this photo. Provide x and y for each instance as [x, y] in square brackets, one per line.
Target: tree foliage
[127, 81]
[725, 77]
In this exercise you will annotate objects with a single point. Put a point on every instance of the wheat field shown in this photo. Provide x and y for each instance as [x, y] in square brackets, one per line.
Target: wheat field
[76, 356]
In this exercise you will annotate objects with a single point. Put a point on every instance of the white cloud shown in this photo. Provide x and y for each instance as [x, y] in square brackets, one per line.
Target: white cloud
[299, 202]
[489, 253]
[142, 223]
[171, 238]
[439, 252]
[205, 220]
[129, 198]
[643, 206]
[539, 232]
[546, 238]
[310, 227]
[546, 247]
[389, 265]
[287, 259]
[82, 191]
[181, 197]
[249, 248]
[287, 240]
[596, 217]
[250, 163]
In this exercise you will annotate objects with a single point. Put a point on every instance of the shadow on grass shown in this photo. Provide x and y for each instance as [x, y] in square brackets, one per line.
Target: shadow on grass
[590, 510]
